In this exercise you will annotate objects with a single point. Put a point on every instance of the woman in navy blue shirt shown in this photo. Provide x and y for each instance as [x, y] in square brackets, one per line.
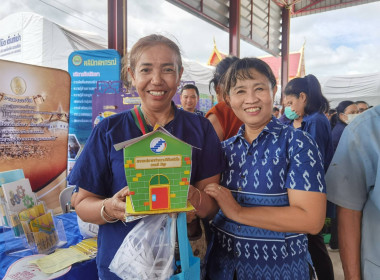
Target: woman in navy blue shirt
[305, 107]
[155, 67]
[272, 191]
[346, 111]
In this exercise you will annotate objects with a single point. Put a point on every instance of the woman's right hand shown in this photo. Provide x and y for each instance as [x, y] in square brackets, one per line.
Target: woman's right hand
[115, 206]
[224, 198]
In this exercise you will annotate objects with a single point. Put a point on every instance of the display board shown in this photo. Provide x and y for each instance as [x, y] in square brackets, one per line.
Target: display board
[34, 119]
[87, 69]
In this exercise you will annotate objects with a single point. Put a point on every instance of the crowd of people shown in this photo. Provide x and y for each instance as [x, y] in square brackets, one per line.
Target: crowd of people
[258, 179]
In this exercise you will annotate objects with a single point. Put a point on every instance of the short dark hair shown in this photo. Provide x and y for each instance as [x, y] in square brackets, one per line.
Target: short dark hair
[190, 86]
[343, 105]
[240, 70]
[340, 109]
[275, 109]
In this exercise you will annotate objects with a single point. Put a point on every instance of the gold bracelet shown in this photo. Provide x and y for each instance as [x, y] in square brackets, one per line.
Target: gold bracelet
[103, 211]
[200, 198]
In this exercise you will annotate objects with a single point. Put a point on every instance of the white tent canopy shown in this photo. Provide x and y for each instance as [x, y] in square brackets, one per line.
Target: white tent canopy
[200, 73]
[363, 87]
[30, 38]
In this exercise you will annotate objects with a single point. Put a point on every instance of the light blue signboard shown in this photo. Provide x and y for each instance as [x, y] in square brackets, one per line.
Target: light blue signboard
[87, 69]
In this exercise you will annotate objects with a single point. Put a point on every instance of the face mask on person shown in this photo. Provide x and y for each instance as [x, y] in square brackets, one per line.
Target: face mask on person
[291, 115]
[351, 117]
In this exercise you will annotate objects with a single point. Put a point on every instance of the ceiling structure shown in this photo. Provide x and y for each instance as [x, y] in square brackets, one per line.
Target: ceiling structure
[308, 7]
[260, 21]
[264, 24]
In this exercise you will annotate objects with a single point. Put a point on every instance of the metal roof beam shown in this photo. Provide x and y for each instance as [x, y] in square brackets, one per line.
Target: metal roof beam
[234, 23]
[117, 26]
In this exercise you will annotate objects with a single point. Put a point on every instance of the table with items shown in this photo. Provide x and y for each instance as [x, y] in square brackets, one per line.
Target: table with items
[17, 264]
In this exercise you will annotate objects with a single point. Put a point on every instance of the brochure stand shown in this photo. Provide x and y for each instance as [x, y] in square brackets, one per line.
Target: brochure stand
[35, 235]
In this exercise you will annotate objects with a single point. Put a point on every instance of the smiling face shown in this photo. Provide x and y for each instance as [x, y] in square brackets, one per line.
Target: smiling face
[252, 100]
[156, 77]
[189, 99]
[296, 104]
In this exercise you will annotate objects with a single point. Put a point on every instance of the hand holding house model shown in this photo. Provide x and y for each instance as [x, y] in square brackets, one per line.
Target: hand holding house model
[157, 168]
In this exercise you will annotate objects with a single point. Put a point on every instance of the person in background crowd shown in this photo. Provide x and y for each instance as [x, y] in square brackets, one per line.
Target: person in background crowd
[304, 107]
[282, 117]
[362, 106]
[267, 202]
[353, 184]
[189, 99]
[346, 111]
[221, 116]
[155, 69]
[330, 113]
[276, 112]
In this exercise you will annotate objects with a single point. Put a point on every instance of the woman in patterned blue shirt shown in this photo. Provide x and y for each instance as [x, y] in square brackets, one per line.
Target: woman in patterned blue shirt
[272, 192]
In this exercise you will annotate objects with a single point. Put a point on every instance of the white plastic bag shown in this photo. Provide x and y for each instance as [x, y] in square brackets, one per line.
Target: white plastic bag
[147, 252]
[87, 230]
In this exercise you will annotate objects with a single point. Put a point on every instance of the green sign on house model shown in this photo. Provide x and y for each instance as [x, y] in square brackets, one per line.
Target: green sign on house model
[157, 167]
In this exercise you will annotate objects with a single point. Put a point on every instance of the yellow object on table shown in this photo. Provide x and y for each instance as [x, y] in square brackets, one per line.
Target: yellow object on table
[63, 258]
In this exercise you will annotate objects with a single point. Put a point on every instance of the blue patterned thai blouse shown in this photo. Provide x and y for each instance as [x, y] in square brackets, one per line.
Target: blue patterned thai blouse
[259, 174]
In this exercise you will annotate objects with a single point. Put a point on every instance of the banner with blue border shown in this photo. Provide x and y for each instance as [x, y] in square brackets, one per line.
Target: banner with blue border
[86, 69]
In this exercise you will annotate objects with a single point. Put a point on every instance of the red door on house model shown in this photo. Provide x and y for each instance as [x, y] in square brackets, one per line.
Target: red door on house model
[159, 197]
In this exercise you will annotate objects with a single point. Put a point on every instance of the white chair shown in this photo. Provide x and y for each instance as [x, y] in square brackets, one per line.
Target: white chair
[65, 197]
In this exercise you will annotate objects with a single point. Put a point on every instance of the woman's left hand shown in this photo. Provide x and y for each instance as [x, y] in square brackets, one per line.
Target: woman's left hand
[224, 198]
[194, 196]
[115, 205]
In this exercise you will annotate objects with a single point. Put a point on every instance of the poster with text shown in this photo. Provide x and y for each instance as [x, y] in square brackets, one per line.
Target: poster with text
[34, 119]
[87, 69]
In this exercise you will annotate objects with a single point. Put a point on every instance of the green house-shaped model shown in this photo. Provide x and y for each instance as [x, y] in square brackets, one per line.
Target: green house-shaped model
[157, 167]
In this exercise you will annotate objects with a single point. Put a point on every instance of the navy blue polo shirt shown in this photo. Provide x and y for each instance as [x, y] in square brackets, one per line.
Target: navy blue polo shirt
[318, 126]
[100, 168]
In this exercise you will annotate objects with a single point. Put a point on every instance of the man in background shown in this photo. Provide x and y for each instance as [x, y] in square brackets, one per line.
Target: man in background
[189, 99]
[353, 184]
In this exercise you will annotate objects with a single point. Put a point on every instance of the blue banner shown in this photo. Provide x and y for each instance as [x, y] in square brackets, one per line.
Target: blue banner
[86, 69]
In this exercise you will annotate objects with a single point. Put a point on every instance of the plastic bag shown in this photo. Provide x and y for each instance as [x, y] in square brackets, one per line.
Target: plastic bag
[147, 252]
[87, 230]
